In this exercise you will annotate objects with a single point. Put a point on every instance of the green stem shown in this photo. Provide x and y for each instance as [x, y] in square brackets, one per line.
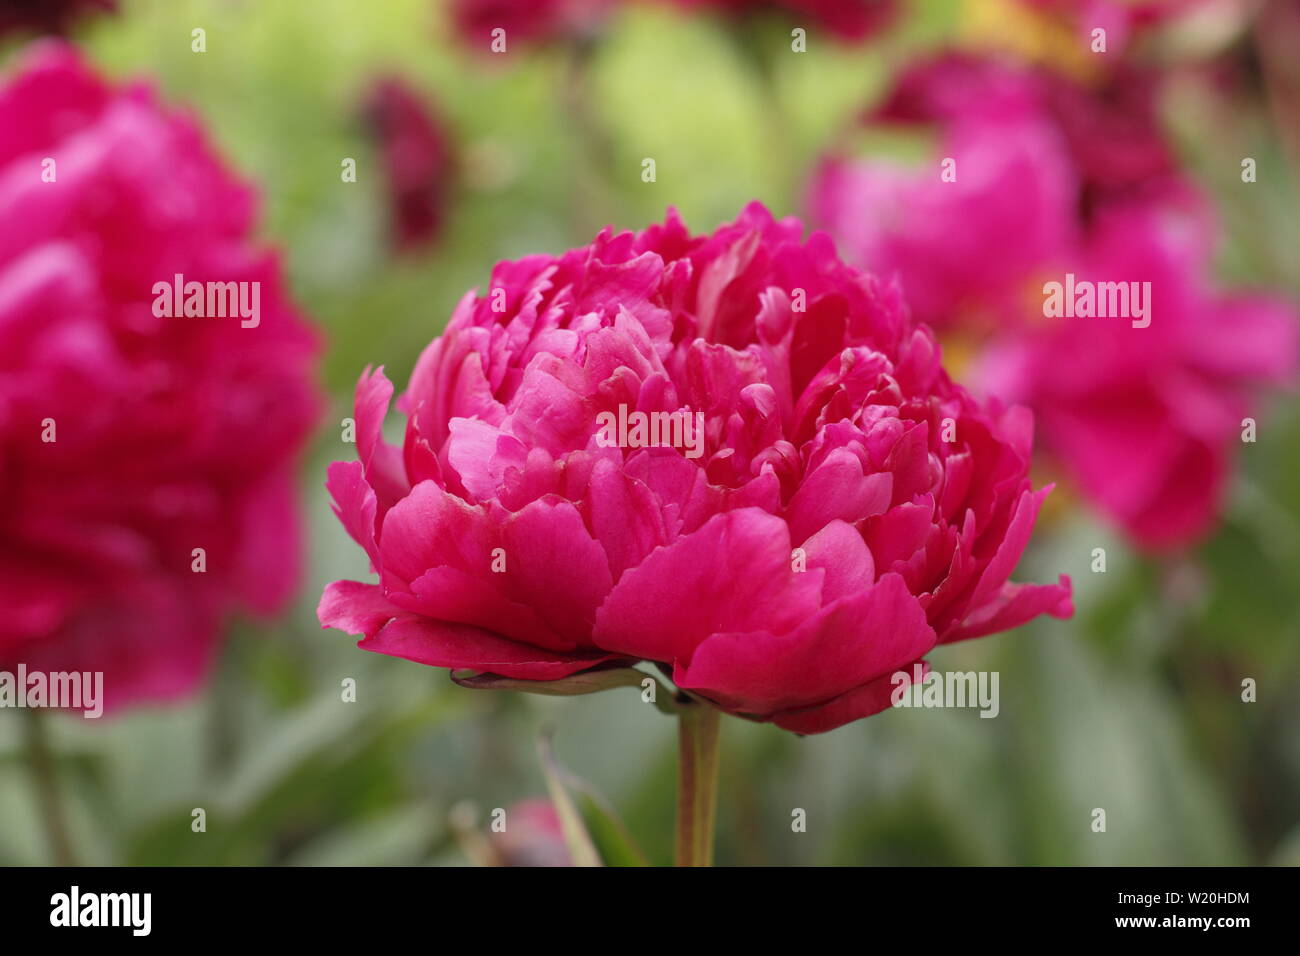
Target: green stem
[697, 783]
[219, 732]
[591, 199]
[41, 759]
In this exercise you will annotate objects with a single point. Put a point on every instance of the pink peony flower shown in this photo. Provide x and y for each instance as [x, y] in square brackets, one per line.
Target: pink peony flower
[417, 161]
[129, 440]
[1054, 178]
[1148, 420]
[512, 534]
[1015, 178]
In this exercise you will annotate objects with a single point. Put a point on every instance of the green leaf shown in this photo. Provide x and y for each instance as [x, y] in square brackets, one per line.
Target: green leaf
[590, 815]
[613, 841]
[581, 848]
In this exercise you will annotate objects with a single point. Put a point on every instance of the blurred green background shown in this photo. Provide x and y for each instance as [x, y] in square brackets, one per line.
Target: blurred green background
[1133, 706]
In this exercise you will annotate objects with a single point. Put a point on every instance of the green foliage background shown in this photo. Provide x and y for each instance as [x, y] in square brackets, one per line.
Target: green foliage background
[1134, 706]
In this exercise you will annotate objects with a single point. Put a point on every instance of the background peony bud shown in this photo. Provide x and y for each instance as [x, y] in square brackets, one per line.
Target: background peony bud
[415, 150]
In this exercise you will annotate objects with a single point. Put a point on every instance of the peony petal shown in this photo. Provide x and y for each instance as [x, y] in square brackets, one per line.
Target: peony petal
[355, 505]
[555, 567]
[860, 702]
[838, 549]
[432, 528]
[1016, 604]
[355, 607]
[626, 517]
[838, 489]
[847, 644]
[384, 468]
[455, 646]
[733, 574]
[1004, 562]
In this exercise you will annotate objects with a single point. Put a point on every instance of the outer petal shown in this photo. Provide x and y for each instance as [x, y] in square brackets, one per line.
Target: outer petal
[860, 702]
[848, 644]
[555, 567]
[998, 570]
[383, 463]
[535, 574]
[363, 609]
[355, 607]
[440, 644]
[1017, 604]
[432, 528]
[355, 505]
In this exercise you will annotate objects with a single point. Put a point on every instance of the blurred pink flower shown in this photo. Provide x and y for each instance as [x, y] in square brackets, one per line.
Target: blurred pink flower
[1121, 19]
[511, 533]
[1108, 130]
[169, 434]
[1055, 178]
[417, 158]
[1148, 420]
[533, 836]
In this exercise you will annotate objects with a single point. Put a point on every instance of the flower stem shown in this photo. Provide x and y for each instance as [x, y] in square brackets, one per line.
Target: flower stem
[697, 783]
[592, 199]
[41, 759]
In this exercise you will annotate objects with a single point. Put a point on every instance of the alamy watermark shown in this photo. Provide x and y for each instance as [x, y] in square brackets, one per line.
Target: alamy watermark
[62, 690]
[216, 300]
[950, 689]
[74, 908]
[636, 429]
[1085, 299]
